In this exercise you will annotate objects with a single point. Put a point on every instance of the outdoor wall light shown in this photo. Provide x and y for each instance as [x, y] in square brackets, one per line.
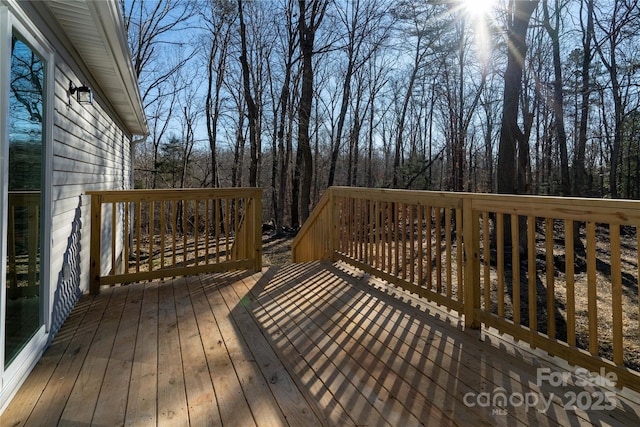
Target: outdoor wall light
[83, 93]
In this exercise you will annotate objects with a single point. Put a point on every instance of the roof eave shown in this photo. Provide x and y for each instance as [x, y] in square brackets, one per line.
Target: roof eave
[101, 44]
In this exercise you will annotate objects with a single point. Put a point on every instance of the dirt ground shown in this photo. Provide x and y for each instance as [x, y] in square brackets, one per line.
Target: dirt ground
[276, 249]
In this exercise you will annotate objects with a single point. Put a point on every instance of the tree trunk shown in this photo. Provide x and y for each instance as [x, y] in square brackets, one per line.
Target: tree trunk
[307, 32]
[252, 110]
[558, 95]
[511, 176]
[510, 133]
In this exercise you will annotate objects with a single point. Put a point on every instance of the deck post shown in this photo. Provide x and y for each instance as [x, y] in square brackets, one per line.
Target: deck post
[471, 280]
[94, 249]
[257, 228]
[333, 225]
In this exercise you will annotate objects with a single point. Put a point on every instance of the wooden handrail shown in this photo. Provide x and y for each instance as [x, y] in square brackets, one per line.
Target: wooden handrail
[504, 261]
[148, 234]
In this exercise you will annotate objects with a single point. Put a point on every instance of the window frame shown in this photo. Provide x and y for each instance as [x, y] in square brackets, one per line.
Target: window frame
[14, 20]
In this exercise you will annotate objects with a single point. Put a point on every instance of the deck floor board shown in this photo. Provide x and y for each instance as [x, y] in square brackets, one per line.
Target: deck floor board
[233, 406]
[302, 345]
[171, 408]
[294, 407]
[264, 408]
[141, 404]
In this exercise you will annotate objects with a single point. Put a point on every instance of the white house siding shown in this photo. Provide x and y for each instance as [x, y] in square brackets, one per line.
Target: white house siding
[88, 146]
[90, 152]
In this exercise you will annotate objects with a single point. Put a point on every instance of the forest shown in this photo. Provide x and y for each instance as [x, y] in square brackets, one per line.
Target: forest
[294, 96]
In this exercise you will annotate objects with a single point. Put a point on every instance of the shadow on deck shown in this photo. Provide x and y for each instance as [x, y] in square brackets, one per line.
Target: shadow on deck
[306, 344]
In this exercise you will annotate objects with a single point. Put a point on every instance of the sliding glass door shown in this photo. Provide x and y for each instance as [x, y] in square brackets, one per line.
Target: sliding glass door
[23, 312]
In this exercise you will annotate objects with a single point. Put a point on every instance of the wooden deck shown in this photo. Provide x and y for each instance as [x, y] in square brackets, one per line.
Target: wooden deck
[303, 345]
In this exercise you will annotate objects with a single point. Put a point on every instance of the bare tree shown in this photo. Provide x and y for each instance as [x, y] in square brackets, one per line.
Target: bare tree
[218, 18]
[282, 107]
[149, 26]
[462, 85]
[366, 28]
[161, 112]
[252, 108]
[511, 136]
[585, 92]
[311, 15]
[553, 29]
[614, 27]
[422, 32]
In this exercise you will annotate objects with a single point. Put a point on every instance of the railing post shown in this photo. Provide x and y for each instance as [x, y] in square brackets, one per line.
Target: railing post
[333, 225]
[94, 250]
[257, 227]
[471, 236]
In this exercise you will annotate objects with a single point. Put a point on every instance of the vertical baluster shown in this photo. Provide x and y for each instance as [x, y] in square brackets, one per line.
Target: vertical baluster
[114, 222]
[437, 241]
[216, 234]
[359, 225]
[486, 254]
[532, 273]
[207, 226]
[429, 242]
[162, 232]
[420, 241]
[196, 234]
[500, 244]
[227, 222]
[370, 234]
[94, 246]
[396, 240]
[459, 256]
[138, 226]
[376, 235]
[383, 235]
[515, 267]
[344, 225]
[349, 228]
[569, 260]
[412, 248]
[363, 230]
[616, 291]
[127, 236]
[185, 242]
[353, 229]
[592, 291]
[151, 232]
[403, 262]
[174, 231]
[360, 230]
[236, 220]
[448, 249]
[550, 280]
[390, 226]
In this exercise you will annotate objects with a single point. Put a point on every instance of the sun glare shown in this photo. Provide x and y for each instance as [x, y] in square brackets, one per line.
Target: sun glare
[480, 13]
[478, 7]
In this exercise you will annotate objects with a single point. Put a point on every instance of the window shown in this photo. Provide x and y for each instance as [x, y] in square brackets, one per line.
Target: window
[23, 309]
[26, 125]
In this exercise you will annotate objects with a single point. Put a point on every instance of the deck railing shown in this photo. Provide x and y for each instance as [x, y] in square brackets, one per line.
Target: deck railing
[148, 234]
[558, 273]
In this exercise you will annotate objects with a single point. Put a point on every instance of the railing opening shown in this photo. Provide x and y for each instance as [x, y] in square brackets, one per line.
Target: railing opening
[148, 234]
[560, 274]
